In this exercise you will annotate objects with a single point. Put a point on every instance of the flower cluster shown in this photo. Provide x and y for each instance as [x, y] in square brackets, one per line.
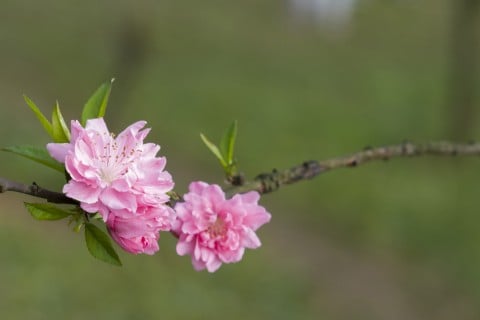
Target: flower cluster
[123, 180]
[120, 178]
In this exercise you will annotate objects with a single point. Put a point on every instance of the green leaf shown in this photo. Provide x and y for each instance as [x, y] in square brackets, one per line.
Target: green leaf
[45, 123]
[99, 245]
[97, 104]
[227, 144]
[46, 211]
[36, 154]
[214, 149]
[59, 127]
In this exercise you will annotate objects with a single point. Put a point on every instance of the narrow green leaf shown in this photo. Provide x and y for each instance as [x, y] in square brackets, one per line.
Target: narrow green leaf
[59, 127]
[99, 245]
[45, 123]
[97, 104]
[227, 144]
[36, 154]
[214, 149]
[46, 211]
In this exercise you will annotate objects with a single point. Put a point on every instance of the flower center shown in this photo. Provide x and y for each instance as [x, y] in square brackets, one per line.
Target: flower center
[108, 174]
[115, 161]
[218, 228]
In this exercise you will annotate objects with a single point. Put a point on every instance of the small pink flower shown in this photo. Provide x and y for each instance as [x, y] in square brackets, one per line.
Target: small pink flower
[215, 230]
[120, 178]
[139, 233]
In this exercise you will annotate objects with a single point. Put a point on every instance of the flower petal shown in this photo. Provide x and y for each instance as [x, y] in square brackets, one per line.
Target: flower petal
[58, 151]
[81, 192]
[118, 200]
[185, 247]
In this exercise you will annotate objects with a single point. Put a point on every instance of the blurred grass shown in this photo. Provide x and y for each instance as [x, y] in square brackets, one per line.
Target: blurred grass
[392, 240]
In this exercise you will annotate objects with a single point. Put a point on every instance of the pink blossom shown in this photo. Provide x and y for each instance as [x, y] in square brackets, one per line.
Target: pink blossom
[120, 178]
[139, 233]
[215, 230]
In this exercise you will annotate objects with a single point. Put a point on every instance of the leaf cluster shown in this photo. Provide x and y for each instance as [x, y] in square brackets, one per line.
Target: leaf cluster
[225, 151]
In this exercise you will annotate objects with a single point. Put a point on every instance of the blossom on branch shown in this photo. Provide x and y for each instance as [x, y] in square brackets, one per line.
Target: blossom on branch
[216, 230]
[139, 233]
[120, 178]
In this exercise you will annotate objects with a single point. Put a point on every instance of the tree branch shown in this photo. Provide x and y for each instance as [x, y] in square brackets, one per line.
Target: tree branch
[36, 191]
[269, 182]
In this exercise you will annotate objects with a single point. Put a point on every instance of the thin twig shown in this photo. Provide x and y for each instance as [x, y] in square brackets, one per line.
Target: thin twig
[35, 190]
[269, 182]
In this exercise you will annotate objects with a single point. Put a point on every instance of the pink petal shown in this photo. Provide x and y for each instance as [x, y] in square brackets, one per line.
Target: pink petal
[83, 152]
[76, 130]
[257, 218]
[127, 228]
[97, 125]
[250, 197]
[121, 185]
[198, 265]
[58, 151]
[118, 200]
[213, 264]
[132, 129]
[81, 192]
[231, 256]
[197, 187]
[250, 239]
[93, 208]
[150, 150]
[184, 247]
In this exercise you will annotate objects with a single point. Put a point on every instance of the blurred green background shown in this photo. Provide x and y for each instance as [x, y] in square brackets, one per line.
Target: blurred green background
[396, 240]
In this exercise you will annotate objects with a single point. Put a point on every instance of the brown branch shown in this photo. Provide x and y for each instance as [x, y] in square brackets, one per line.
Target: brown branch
[36, 191]
[269, 182]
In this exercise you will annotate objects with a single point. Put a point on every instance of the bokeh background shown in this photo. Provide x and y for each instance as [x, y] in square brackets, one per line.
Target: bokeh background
[306, 80]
